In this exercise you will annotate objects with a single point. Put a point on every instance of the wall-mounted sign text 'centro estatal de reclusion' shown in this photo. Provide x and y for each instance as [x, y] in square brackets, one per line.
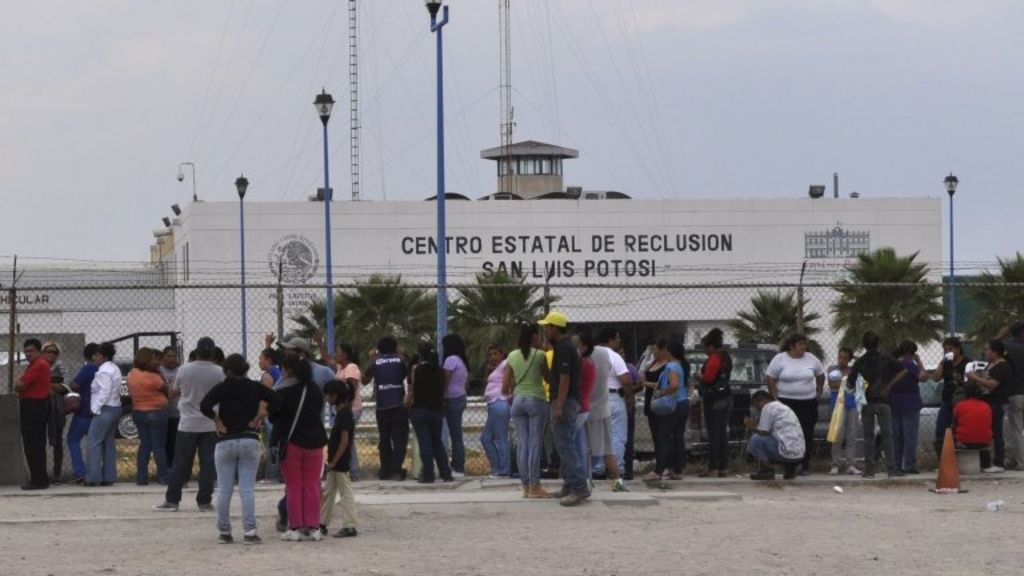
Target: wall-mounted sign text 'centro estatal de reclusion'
[620, 251]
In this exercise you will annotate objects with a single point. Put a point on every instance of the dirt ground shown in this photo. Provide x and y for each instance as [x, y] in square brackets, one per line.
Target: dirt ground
[803, 529]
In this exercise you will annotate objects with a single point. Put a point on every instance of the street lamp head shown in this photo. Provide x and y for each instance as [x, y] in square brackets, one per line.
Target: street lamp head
[167, 222]
[433, 6]
[176, 209]
[181, 176]
[242, 184]
[951, 183]
[324, 103]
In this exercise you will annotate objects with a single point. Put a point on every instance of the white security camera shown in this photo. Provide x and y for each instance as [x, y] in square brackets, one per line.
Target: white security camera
[181, 176]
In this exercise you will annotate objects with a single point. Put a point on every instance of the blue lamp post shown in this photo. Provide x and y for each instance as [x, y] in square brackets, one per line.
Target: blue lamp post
[436, 26]
[324, 103]
[242, 184]
[951, 184]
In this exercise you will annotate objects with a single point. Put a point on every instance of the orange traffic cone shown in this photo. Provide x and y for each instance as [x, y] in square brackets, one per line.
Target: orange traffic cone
[948, 481]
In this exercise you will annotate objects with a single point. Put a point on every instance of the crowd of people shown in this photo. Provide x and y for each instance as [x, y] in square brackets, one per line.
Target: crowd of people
[569, 396]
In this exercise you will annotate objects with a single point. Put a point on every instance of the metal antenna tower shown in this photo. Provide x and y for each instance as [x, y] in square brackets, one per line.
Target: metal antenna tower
[353, 98]
[508, 181]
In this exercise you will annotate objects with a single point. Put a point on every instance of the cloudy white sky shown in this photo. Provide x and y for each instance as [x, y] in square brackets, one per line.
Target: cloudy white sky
[100, 101]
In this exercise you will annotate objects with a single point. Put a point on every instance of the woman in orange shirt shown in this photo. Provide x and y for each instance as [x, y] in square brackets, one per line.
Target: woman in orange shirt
[149, 412]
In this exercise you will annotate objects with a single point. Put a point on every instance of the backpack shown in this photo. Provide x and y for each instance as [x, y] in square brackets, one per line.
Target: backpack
[720, 388]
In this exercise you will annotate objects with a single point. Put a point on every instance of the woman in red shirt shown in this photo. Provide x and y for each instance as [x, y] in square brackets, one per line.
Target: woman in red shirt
[716, 399]
[149, 412]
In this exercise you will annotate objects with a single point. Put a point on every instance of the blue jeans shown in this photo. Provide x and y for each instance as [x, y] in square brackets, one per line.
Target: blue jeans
[905, 425]
[495, 438]
[582, 445]
[564, 435]
[765, 449]
[152, 426]
[427, 426]
[530, 416]
[78, 430]
[237, 459]
[102, 453]
[453, 409]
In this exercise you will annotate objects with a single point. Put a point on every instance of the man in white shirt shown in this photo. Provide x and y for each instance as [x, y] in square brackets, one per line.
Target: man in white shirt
[599, 421]
[105, 404]
[776, 437]
[620, 388]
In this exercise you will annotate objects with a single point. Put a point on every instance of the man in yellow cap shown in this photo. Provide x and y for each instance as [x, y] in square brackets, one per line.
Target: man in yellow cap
[564, 379]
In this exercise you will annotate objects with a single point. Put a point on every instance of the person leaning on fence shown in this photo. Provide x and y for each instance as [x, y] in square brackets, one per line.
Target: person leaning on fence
[524, 380]
[79, 429]
[149, 412]
[58, 418]
[387, 371]
[564, 382]
[495, 438]
[879, 373]
[33, 390]
[716, 401]
[776, 437]
[796, 378]
[1015, 395]
[241, 405]
[995, 382]
[196, 432]
[106, 409]
[425, 403]
[841, 397]
[339, 394]
[951, 373]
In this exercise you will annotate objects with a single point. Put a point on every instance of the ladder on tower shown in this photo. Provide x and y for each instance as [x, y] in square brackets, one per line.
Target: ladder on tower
[353, 84]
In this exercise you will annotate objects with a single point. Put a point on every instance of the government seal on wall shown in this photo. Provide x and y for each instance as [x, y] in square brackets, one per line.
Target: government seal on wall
[296, 257]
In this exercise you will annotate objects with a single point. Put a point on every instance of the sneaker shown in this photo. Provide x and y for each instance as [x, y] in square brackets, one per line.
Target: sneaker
[166, 507]
[619, 486]
[346, 533]
[323, 530]
[833, 471]
[994, 470]
[251, 538]
[315, 535]
[206, 508]
[458, 475]
[572, 499]
[225, 539]
[292, 536]
[852, 471]
[537, 492]
[561, 493]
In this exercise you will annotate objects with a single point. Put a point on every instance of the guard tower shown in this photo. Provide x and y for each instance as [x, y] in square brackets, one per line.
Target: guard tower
[529, 169]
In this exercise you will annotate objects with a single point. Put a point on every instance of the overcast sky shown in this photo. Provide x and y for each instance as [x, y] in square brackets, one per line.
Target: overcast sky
[689, 99]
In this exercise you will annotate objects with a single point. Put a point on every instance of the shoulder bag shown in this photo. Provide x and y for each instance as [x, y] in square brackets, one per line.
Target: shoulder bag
[278, 452]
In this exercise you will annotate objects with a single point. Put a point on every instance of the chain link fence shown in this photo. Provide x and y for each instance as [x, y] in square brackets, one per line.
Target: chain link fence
[754, 317]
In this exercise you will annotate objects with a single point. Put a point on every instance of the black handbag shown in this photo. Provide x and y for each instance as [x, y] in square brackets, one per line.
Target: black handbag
[277, 453]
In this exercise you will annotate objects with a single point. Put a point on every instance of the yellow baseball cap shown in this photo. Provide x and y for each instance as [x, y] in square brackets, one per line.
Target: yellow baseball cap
[555, 319]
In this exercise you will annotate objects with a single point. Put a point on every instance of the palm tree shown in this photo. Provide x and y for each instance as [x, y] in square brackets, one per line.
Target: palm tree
[772, 319]
[997, 305]
[383, 305]
[890, 295]
[491, 311]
